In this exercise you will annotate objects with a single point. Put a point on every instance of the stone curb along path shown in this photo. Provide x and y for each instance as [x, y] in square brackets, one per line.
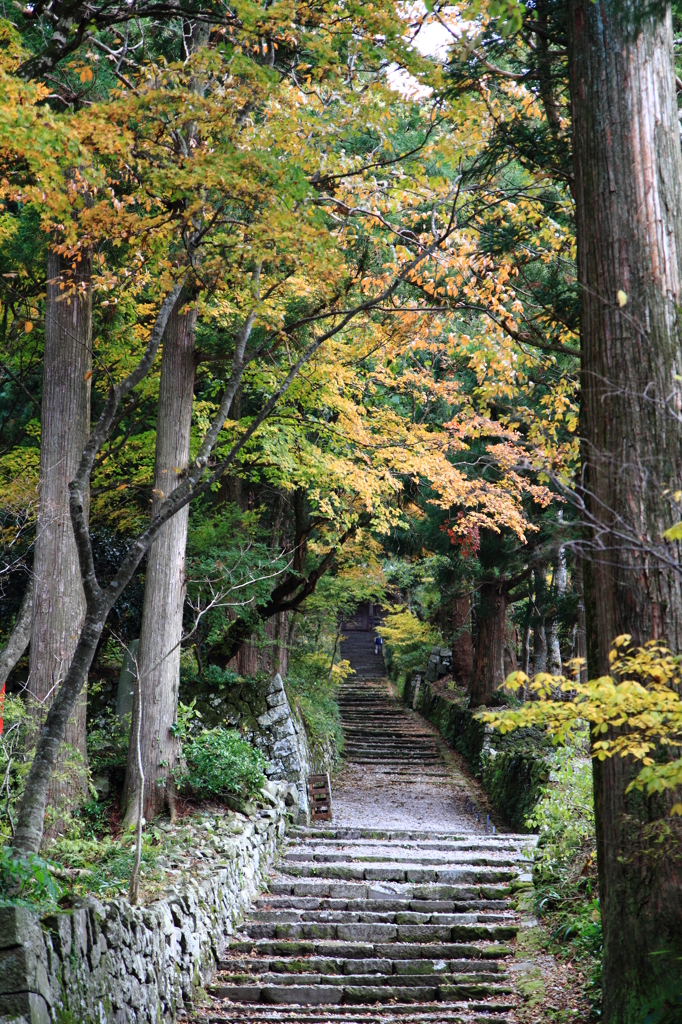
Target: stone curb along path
[383, 924]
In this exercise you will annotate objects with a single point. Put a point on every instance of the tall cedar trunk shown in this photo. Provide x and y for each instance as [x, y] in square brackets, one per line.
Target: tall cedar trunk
[488, 672]
[628, 190]
[164, 592]
[58, 598]
[462, 648]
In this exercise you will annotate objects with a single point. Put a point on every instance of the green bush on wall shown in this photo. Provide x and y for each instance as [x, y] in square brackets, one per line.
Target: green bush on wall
[218, 762]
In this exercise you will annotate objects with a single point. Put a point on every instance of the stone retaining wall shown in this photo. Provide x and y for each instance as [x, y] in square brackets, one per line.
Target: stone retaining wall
[512, 768]
[111, 963]
[259, 708]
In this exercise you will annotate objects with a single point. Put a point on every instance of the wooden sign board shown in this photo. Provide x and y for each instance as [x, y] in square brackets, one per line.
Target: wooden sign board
[320, 797]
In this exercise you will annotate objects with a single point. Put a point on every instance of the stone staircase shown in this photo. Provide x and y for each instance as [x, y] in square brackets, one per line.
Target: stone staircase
[369, 926]
[361, 925]
[382, 732]
[357, 647]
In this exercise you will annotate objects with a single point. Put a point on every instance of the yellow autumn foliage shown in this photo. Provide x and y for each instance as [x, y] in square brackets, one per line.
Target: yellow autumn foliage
[634, 712]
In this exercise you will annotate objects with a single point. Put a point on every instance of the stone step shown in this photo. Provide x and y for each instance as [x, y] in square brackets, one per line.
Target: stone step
[401, 873]
[413, 761]
[328, 832]
[484, 984]
[291, 916]
[370, 950]
[396, 746]
[405, 857]
[337, 966]
[309, 903]
[433, 1013]
[398, 741]
[360, 890]
[325, 994]
[405, 746]
[364, 931]
[473, 843]
[355, 1014]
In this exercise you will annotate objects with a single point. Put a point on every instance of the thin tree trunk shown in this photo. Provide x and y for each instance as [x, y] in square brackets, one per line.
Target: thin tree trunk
[580, 649]
[58, 597]
[628, 190]
[462, 647]
[19, 638]
[164, 592]
[525, 648]
[539, 632]
[488, 672]
[559, 590]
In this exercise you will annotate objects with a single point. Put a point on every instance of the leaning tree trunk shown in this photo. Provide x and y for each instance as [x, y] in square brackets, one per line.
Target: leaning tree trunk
[628, 190]
[58, 597]
[488, 672]
[19, 638]
[158, 657]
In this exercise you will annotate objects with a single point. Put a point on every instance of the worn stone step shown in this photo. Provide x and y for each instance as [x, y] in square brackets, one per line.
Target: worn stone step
[234, 1013]
[456, 1014]
[371, 950]
[417, 762]
[458, 986]
[306, 904]
[364, 977]
[462, 841]
[378, 932]
[410, 891]
[355, 1014]
[402, 873]
[335, 916]
[328, 832]
[312, 994]
[414, 758]
[249, 966]
[402, 855]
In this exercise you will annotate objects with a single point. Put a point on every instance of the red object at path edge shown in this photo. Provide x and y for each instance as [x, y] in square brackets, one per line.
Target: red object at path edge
[2, 707]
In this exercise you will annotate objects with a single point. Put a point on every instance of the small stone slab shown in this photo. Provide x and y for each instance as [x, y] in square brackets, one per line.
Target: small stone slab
[238, 993]
[367, 932]
[387, 994]
[424, 933]
[302, 995]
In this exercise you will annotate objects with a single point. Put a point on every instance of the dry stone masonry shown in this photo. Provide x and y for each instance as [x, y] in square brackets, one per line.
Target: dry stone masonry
[261, 710]
[110, 963]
